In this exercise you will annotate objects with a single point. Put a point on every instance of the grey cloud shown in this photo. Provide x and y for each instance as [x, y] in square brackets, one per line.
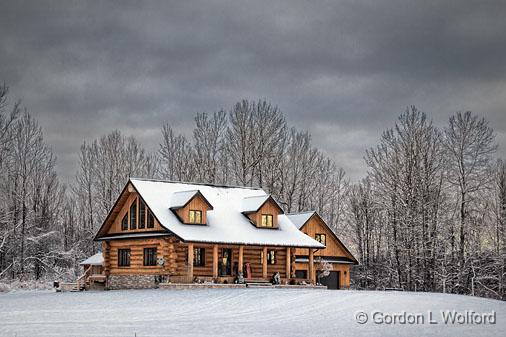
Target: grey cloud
[344, 70]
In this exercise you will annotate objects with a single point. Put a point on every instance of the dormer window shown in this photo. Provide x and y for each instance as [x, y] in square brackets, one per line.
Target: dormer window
[263, 211]
[195, 216]
[267, 220]
[190, 207]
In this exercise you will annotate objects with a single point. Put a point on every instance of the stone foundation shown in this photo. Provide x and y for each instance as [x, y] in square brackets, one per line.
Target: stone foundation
[131, 282]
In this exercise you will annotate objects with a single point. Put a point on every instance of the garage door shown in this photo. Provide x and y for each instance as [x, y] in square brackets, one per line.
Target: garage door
[301, 274]
[331, 281]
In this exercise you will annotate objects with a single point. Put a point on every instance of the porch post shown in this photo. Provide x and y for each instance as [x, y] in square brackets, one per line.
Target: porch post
[215, 261]
[311, 266]
[288, 263]
[264, 264]
[190, 261]
[241, 263]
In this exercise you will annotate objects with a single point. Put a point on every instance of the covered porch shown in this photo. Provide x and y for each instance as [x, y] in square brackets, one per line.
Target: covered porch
[222, 264]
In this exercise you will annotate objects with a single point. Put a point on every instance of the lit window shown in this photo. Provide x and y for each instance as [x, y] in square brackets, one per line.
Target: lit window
[271, 257]
[266, 220]
[321, 238]
[195, 216]
[199, 257]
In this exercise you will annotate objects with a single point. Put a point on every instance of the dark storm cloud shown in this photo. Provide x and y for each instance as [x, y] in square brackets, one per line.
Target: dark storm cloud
[342, 69]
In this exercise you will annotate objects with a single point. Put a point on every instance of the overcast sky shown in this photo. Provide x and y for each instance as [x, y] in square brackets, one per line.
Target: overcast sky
[344, 70]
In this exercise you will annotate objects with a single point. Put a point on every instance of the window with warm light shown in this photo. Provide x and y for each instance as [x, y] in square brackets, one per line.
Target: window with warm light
[195, 216]
[271, 257]
[266, 220]
[321, 238]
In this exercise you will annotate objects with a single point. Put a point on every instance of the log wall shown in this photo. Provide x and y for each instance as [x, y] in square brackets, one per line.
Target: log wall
[333, 247]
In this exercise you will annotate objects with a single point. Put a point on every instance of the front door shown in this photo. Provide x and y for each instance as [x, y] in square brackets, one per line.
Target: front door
[226, 262]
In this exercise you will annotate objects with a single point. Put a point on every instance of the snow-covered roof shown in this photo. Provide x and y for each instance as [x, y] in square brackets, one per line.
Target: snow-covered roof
[225, 223]
[300, 219]
[134, 235]
[180, 199]
[329, 259]
[253, 203]
[96, 260]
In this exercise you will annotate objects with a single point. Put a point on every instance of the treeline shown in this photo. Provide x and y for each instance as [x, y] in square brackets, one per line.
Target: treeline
[431, 213]
[429, 216]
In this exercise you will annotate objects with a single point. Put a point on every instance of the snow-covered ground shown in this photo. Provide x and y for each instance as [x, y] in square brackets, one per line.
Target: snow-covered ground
[238, 312]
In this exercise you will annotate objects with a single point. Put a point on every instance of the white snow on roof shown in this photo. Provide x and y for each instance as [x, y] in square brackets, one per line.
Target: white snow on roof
[225, 223]
[95, 260]
[179, 199]
[252, 204]
[299, 219]
[132, 235]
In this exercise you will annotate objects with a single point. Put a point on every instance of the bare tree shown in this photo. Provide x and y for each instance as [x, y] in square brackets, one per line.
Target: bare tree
[469, 146]
[176, 155]
[209, 144]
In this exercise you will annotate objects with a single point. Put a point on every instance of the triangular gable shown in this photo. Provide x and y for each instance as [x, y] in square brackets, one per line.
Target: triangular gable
[117, 208]
[339, 242]
[183, 198]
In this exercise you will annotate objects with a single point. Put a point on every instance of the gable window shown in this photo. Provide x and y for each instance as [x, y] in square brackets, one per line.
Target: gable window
[266, 220]
[133, 215]
[123, 257]
[195, 216]
[199, 257]
[151, 219]
[150, 256]
[321, 238]
[271, 257]
[142, 214]
[124, 222]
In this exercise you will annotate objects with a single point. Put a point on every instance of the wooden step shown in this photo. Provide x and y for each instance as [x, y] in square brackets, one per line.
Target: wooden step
[256, 280]
[259, 285]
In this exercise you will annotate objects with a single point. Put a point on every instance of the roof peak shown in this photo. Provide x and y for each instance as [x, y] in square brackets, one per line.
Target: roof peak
[196, 183]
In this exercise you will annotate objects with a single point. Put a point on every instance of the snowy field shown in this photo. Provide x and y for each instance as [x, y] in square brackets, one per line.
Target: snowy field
[238, 312]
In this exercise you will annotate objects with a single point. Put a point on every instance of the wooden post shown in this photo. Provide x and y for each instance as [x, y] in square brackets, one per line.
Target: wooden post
[288, 264]
[292, 257]
[311, 266]
[241, 262]
[215, 261]
[106, 253]
[190, 261]
[264, 264]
